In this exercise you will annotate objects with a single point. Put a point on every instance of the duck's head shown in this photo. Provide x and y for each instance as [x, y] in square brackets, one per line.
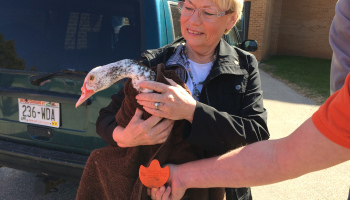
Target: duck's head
[103, 77]
[96, 80]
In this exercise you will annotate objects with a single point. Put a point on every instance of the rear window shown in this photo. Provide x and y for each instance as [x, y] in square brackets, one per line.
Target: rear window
[47, 36]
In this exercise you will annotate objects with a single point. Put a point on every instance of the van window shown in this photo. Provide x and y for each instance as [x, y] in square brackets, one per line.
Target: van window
[49, 36]
[231, 37]
[175, 14]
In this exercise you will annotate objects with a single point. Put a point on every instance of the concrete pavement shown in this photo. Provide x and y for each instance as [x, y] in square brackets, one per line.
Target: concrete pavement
[20, 185]
[286, 111]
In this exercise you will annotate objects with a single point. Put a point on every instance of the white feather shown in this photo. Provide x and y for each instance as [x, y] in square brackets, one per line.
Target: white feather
[104, 76]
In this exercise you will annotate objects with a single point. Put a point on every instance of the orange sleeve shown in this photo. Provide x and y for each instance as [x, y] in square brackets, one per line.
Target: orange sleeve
[332, 119]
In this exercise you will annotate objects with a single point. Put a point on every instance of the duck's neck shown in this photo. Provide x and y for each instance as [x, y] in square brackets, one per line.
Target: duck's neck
[134, 70]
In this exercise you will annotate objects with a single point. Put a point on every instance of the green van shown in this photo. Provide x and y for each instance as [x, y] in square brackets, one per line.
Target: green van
[46, 49]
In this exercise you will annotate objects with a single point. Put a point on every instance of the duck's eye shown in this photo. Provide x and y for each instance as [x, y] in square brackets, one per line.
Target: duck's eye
[92, 78]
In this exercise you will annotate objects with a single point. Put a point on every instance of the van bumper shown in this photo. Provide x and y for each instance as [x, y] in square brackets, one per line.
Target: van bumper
[42, 161]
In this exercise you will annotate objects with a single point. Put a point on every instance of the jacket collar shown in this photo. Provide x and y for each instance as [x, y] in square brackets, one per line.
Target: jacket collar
[229, 60]
[177, 58]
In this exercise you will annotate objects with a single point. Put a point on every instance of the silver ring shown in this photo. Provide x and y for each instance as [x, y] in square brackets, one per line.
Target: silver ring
[156, 104]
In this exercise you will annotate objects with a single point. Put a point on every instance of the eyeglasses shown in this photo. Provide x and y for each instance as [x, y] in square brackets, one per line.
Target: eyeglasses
[206, 14]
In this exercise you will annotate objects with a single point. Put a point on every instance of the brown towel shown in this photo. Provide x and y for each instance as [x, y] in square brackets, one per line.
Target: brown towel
[112, 172]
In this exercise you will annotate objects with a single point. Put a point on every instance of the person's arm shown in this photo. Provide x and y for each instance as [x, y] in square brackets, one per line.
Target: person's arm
[304, 151]
[266, 162]
[138, 132]
[339, 40]
[106, 122]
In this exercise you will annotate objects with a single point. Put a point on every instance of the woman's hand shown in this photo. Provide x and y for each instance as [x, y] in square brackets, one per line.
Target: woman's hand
[174, 190]
[162, 193]
[174, 101]
[143, 132]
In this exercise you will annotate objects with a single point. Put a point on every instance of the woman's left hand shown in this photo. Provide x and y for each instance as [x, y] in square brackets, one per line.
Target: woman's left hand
[174, 101]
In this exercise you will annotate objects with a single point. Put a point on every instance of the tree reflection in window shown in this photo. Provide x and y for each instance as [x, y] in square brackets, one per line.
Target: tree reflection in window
[8, 55]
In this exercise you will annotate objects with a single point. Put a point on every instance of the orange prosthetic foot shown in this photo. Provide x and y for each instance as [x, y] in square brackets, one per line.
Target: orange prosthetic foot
[154, 176]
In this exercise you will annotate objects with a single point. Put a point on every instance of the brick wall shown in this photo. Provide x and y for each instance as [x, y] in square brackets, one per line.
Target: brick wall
[271, 34]
[304, 28]
[264, 24]
[295, 27]
[257, 24]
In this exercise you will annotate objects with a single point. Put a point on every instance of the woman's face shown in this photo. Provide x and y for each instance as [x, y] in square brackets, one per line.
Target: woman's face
[201, 34]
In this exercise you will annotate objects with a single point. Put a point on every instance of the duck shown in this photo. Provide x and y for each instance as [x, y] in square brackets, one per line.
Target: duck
[102, 77]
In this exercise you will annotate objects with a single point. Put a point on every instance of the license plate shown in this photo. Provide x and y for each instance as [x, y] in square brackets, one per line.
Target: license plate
[39, 112]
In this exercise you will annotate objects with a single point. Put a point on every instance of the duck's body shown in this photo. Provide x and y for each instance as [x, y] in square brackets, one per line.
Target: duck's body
[104, 76]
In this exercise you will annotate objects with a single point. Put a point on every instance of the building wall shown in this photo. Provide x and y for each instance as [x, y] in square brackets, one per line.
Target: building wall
[257, 24]
[295, 27]
[304, 28]
[272, 22]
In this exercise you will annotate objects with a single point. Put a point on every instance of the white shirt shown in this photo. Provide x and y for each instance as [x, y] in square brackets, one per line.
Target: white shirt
[199, 72]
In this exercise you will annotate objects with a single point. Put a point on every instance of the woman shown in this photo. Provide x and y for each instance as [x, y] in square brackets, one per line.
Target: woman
[225, 110]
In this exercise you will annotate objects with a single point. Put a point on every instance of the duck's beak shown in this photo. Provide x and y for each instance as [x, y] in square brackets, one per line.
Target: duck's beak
[85, 94]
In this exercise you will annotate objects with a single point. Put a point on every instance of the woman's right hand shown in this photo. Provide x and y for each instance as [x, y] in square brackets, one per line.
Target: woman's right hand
[143, 132]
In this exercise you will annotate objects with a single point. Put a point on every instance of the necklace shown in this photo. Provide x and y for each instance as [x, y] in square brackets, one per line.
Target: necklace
[195, 93]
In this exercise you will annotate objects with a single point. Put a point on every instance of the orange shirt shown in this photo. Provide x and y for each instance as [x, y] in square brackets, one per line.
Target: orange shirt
[333, 118]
